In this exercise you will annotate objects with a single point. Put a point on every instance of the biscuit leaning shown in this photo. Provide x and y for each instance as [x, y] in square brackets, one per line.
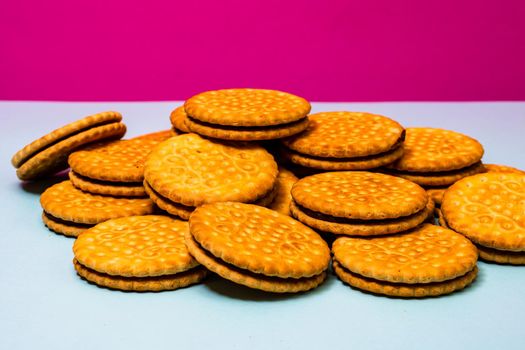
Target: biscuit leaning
[426, 261]
[137, 253]
[48, 154]
[257, 247]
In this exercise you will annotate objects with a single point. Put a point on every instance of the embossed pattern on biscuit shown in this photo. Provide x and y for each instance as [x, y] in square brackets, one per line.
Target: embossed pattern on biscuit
[346, 135]
[136, 246]
[432, 149]
[489, 209]
[247, 107]
[191, 170]
[359, 195]
[259, 239]
[425, 254]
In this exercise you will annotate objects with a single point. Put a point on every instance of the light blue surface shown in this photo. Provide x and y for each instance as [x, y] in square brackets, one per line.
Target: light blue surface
[43, 304]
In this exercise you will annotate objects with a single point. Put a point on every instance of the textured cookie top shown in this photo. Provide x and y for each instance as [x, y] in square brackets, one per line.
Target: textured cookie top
[429, 149]
[285, 180]
[359, 195]
[247, 107]
[177, 118]
[191, 170]
[135, 246]
[121, 160]
[259, 240]
[496, 168]
[346, 135]
[425, 254]
[66, 202]
[61, 133]
[489, 209]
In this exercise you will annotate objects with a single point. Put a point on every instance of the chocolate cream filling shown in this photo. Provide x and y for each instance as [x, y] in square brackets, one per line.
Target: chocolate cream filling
[246, 128]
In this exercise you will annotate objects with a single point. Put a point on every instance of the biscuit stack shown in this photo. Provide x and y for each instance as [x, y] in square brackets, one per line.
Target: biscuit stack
[246, 114]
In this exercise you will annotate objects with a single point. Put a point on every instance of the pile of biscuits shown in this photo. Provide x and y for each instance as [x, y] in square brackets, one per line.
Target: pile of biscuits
[247, 184]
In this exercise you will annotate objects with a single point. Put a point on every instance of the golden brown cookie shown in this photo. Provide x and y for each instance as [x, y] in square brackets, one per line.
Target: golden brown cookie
[402, 290]
[432, 150]
[359, 195]
[416, 258]
[356, 227]
[285, 180]
[496, 168]
[254, 133]
[488, 209]
[191, 170]
[67, 228]
[439, 178]
[436, 194]
[137, 247]
[69, 206]
[347, 135]
[246, 107]
[501, 256]
[48, 155]
[258, 241]
[177, 118]
[115, 189]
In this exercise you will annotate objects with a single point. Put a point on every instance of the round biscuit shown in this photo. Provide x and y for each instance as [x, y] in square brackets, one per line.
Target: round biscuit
[501, 256]
[116, 189]
[445, 178]
[496, 168]
[177, 119]
[285, 181]
[69, 229]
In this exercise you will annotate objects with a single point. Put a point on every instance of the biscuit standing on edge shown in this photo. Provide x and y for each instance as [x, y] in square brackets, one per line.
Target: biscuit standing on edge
[257, 247]
[426, 261]
[178, 119]
[70, 211]
[137, 253]
[437, 157]
[245, 114]
[48, 155]
[285, 181]
[359, 203]
[187, 171]
[346, 141]
[113, 168]
[489, 209]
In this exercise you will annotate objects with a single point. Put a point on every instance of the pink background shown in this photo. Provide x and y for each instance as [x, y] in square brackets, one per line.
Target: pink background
[332, 50]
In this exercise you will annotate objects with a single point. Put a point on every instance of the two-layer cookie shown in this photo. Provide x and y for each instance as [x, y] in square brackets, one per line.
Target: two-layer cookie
[245, 114]
[346, 141]
[48, 155]
[489, 209]
[137, 253]
[359, 203]
[257, 247]
[426, 261]
[187, 171]
[70, 211]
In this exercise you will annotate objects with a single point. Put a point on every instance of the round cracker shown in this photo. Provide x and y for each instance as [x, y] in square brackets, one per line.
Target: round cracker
[432, 149]
[116, 189]
[444, 178]
[363, 227]
[182, 211]
[501, 256]
[53, 159]
[246, 134]
[489, 209]
[191, 170]
[359, 195]
[247, 107]
[337, 164]
[142, 284]
[285, 181]
[135, 246]
[260, 240]
[65, 202]
[496, 168]
[119, 161]
[61, 133]
[250, 279]
[404, 290]
[69, 229]
[177, 118]
[425, 254]
[346, 135]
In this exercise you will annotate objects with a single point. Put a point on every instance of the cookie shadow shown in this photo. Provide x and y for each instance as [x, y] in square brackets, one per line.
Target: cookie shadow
[232, 290]
[39, 186]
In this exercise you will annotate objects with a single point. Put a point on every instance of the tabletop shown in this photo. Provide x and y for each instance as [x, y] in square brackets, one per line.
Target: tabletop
[44, 304]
